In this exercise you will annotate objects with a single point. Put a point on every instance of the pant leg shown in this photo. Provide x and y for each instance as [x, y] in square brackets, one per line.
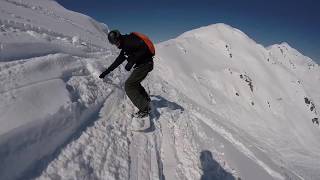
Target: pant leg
[144, 92]
[133, 88]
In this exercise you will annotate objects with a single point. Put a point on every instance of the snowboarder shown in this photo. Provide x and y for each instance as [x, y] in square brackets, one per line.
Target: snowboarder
[138, 50]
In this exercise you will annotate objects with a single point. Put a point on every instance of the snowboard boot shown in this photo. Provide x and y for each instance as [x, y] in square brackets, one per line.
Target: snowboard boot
[142, 113]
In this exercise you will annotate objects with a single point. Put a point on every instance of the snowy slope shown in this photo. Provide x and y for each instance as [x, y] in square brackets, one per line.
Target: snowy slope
[257, 93]
[45, 94]
[224, 107]
[36, 28]
[303, 68]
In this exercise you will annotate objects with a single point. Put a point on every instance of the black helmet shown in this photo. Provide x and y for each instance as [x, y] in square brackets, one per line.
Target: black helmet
[114, 36]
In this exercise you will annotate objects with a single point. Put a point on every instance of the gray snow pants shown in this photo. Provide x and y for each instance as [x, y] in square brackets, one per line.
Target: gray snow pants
[136, 93]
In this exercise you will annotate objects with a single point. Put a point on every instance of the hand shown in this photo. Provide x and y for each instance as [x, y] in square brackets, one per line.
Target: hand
[102, 75]
[129, 66]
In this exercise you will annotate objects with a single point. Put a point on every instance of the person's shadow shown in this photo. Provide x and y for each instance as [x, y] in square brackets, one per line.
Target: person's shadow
[159, 102]
[212, 169]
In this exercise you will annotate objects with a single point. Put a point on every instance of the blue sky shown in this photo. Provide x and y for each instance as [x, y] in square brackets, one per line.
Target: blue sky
[266, 21]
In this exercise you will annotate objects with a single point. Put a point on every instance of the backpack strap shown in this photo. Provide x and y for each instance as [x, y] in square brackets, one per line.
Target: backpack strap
[147, 41]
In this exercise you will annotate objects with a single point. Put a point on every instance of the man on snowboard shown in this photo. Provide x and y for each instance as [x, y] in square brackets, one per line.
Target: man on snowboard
[138, 50]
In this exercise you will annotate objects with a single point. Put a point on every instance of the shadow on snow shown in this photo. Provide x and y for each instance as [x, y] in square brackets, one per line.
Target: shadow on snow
[159, 102]
[212, 169]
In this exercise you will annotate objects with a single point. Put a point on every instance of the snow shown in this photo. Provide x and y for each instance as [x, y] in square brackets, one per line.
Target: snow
[205, 63]
[224, 106]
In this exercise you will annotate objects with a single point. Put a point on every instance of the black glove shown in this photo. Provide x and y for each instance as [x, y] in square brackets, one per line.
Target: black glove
[129, 66]
[102, 75]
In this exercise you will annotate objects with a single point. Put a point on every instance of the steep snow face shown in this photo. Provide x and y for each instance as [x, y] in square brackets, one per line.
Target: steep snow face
[260, 97]
[36, 28]
[306, 70]
[48, 87]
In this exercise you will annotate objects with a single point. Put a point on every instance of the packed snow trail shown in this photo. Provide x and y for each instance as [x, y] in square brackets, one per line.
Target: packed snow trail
[145, 156]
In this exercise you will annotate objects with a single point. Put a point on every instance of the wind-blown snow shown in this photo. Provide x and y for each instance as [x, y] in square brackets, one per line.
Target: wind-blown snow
[224, 107]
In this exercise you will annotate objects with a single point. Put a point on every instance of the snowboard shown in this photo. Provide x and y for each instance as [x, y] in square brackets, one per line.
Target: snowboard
[140, 124]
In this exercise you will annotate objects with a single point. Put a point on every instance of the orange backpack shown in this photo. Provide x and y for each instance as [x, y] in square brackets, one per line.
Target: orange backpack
[147, 41]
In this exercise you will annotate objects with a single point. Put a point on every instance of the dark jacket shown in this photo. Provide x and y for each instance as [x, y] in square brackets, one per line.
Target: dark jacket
[134, 50]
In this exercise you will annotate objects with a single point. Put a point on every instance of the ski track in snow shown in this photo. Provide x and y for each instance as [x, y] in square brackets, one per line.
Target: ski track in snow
[109, 150]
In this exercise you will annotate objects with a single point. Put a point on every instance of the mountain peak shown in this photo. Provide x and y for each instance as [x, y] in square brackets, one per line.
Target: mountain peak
[215, 32]
[283, 45]
[218, 28]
